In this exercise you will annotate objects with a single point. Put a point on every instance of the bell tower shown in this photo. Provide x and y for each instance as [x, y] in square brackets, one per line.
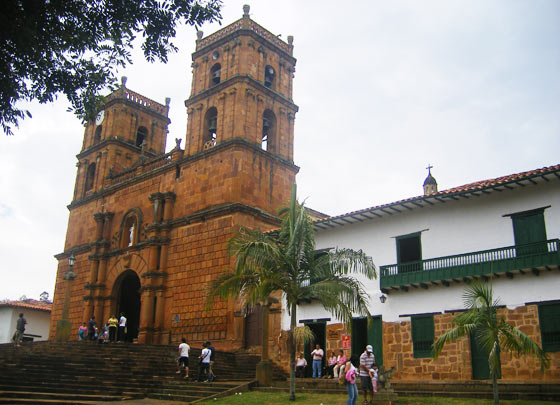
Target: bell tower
[127, 128]
[242, 90]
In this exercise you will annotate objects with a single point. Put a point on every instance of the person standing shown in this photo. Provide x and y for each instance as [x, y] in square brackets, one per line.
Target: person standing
[318, 355]
[300, 365]
[183, 358]
[113, 322]
[367, 359]
[20, 328]
[91, 328]
[122, 328]
[204, 365]
[349, 378]
[211, 375]
[374, 374]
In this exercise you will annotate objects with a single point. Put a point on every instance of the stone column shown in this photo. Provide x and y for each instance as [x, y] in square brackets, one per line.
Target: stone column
[160, 315]
[146, 313]
[93, 268]
[88, 308]
[99, 313]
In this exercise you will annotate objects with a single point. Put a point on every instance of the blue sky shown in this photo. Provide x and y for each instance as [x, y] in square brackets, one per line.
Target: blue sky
[384, 88]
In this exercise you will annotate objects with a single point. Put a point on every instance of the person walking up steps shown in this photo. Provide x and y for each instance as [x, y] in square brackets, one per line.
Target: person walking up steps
[204, 365]
[183, 358]
[211, 376]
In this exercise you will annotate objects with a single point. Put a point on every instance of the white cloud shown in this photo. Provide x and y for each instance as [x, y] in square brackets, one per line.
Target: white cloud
[384, 88]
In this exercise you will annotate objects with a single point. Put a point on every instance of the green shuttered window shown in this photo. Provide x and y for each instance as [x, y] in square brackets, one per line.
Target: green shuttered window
[422, 335]
[549, 320]
[528, 229]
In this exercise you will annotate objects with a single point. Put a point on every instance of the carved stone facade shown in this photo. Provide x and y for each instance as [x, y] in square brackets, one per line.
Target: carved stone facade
[149, 229]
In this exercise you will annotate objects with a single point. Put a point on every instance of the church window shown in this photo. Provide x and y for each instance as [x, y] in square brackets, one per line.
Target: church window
[549, 321]
[90, 176]
[422, 327]
[215, 73]
[210, 128]
[141, 135]
[268, 130]
[129, 231]
[409, 253]
[269, 76]
[97, 136]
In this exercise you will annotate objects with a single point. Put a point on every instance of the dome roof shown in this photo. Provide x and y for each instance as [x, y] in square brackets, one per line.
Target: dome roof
[430, 180]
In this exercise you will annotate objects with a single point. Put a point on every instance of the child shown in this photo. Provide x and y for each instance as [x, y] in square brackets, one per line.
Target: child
[82, 330]
[373, 373]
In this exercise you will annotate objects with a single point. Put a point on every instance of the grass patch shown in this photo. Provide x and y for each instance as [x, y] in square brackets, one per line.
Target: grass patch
[266, 398]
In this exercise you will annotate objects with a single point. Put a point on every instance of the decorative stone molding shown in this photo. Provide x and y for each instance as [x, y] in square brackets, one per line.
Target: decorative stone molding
[152, 288]
[97, 286]
[155, 274]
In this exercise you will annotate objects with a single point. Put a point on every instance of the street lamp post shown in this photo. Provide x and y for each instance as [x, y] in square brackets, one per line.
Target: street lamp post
[64, 326]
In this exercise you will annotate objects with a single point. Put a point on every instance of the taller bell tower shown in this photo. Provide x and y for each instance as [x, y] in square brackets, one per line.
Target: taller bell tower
[242, 90]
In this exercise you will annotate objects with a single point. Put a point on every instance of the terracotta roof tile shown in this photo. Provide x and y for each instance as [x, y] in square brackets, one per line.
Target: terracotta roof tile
[28, 304]
[466, 188]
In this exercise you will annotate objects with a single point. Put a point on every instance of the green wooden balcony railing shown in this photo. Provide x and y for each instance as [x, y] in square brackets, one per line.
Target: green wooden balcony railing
[500, 260]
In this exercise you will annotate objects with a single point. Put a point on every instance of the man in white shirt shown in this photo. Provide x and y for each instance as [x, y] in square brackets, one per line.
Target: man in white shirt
[317, 354]
[122, 328]
[183, 359]
[204, 363]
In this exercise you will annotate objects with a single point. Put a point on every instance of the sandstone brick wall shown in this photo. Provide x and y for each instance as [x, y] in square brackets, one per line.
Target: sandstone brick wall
[454, 363]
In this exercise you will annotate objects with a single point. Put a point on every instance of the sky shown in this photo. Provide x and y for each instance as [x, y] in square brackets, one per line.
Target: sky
[384, 88]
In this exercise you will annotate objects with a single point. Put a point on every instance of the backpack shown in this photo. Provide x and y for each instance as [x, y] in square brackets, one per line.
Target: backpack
[351, 376]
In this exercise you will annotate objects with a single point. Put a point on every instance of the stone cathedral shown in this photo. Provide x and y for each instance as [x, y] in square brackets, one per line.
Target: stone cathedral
[149, 229]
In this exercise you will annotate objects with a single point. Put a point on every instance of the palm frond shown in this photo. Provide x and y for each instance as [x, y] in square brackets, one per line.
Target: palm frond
[515, 341]
[450, 336]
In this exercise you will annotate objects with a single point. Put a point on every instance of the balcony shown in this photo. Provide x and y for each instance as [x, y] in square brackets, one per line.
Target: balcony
[506, 261]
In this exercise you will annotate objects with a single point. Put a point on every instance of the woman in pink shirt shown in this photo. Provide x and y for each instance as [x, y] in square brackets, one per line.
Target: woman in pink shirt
[331, 362]
[340, 363]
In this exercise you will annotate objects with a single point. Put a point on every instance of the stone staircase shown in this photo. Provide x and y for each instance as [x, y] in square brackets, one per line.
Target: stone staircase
[86, 373]
[529, 391]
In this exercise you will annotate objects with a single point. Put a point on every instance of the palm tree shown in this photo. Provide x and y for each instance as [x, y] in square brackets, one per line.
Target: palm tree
[489, 330]
[287, 261]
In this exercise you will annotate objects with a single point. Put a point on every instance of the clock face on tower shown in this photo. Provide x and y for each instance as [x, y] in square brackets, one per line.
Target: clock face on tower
[99, 118]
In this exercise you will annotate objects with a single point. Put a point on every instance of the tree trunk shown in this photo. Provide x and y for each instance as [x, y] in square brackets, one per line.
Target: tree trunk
[495, 389]
[292, 348]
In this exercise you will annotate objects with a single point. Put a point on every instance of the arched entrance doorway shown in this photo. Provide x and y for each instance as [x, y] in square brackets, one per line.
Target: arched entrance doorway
[128, 302]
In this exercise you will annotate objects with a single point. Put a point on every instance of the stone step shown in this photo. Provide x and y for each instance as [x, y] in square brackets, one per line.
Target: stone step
[39, 372]
[58, 396]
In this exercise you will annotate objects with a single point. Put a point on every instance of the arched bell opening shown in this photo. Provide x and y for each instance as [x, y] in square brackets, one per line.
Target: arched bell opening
[268, 131]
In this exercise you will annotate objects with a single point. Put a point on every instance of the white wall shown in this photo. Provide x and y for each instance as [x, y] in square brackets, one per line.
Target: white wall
[6, 331]
[38, 323]
[456, 227]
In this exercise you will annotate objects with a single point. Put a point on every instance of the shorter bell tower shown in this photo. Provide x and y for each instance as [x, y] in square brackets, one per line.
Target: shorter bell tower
[129, 127]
